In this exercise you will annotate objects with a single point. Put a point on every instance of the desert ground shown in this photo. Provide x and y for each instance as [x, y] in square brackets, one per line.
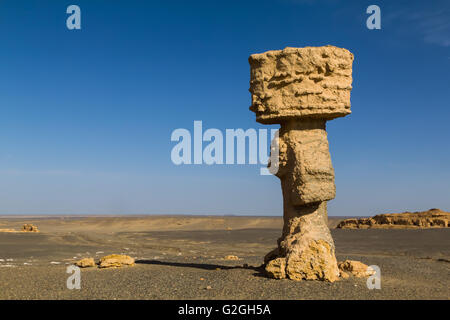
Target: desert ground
[182, 257]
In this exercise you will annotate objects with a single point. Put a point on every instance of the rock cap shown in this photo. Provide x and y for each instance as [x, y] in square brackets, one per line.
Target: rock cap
[311, 82]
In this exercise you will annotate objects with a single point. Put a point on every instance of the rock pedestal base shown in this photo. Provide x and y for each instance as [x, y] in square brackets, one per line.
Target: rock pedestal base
[306, 249]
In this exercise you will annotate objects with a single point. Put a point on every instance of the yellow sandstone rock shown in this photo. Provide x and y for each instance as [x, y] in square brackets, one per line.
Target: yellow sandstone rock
[276, 268]
[116, 261]
[313, 82]
[355, 268]
[85, 263]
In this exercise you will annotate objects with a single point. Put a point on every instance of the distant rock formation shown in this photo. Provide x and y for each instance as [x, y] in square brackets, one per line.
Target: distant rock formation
[231, 257]
[8, 230]
[115, 261]
[29, 228]
[433, 218]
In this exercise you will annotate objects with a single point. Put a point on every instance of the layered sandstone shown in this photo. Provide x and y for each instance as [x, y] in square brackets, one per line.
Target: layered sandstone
[433, 218]
[312, 82]
[300, 89]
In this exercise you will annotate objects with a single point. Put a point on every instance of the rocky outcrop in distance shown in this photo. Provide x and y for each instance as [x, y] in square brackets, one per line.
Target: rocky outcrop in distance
[433, 218]
[29, 228]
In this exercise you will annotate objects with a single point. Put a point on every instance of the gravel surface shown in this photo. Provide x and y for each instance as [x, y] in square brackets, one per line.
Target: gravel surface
[190, 264]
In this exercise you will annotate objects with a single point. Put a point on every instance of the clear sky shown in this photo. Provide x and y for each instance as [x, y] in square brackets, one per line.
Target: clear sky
[86, 115]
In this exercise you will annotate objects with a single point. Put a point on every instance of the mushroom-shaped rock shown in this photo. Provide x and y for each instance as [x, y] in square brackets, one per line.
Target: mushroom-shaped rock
[300, 89]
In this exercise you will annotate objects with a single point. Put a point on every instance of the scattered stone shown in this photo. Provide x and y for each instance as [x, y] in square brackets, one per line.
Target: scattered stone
[85, 263]
[355, 268]
[208, 287]
[29, 228]
[433, 218]
[116, 261]
[301, 89]
[231, 257]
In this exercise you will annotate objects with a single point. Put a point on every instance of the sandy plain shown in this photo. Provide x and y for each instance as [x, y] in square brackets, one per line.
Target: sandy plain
[179, 257]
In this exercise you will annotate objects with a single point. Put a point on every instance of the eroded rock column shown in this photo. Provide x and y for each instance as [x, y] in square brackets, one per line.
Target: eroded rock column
[302, 88]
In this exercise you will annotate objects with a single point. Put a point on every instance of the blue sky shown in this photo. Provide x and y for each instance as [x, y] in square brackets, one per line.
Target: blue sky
[86, 115]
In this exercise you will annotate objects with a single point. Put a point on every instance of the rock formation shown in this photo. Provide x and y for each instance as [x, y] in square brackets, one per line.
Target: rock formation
[355, 268]
[86, 263]
[115, 261]
[433, 218]
[29, 228]
[300, 89]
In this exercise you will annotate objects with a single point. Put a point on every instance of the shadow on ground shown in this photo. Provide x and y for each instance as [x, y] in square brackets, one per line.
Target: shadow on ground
[204, 266]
